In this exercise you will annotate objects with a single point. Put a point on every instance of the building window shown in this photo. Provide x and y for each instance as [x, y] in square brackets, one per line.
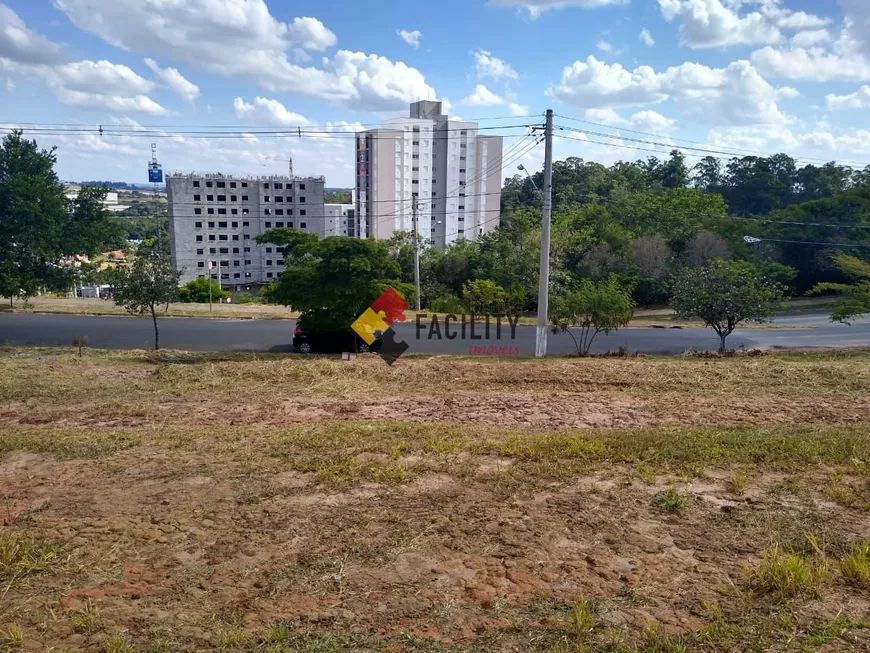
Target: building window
[461, 170]
[198, 225]
[234, 198]
[211, 225]
[232, 184]
[269, 275]
[235, 225]
[302, 225]
[464, 132]
[266, 185]
[246, 237]
[208, 184]
[279, 198]
[247, 249]
[200, 251]
[267, 212]
[211, 237]
[211, 211]
[301, 186]
[415, 142]
[244, 184]
[301, 211]
[415, 156]
[222, 211]
[461, 218]
[462, 231]
[224, 250]
[289, 211]
[221, 184]
[415, 169]
[236, 275]
[235, 250]
[200, 264]
[222, 237]
[196, 184]
[212, 250]
[278, 186]
[280, 261]
[225, 275]
[434, 181]
[268, 225]
[244, 211]
[200, 276]
[199, 238]
[222, 198]
[279, 224]
[268, 261]
[415, 181]
[462, 207]
[279, 211]
[245, 223]
[196, 198]
[209, 198]
[235, 264]
[234, 211]
[268, 250]
[244, 198]
[247, 274]
[222, 225]
[416, 129]
[301, 200]
[235, 236]
[197, 211]
[247, 261]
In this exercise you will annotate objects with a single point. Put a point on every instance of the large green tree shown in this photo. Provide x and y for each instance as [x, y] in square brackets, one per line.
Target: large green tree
[333, 280]
[856, 296]
[724, 295]
[594, 307]
[40, 229]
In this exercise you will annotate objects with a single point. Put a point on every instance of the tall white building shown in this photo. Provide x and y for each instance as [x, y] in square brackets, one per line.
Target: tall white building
[445, 167]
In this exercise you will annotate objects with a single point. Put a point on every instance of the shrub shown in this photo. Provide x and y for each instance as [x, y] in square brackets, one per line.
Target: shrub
[447, 304]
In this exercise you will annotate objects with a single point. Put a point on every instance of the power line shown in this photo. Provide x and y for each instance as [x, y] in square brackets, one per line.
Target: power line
[706, 145]
[810, 242]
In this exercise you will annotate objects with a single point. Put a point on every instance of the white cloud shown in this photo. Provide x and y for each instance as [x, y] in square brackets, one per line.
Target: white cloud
[310, 34]
[858, 22]
[518, 109]
[717, 23]
[21, 44]
[860, 99]
[483, 97]
[446, 105]
[604, 46]
[10, 85]
[188, 91]
[411, 38]
[537, 7]
[812, 64]
[240, 39]
[646, 121]
[647, 38]
[810, 37]
[267, 113]
[488, 66]
[736, 94]
[819, 142]
[103, 102]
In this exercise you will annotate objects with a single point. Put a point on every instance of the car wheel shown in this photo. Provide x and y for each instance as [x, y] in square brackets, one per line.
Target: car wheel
[364, 348]
[304, 348]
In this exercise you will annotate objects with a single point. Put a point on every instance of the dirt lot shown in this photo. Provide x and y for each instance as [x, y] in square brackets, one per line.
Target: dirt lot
[180, 502]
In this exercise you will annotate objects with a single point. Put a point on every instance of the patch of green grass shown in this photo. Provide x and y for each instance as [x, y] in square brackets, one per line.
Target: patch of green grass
[11, 638]
[671, 500]
[738, 483]
[846, 494]
[855, 566]
[117, 643]
[68, 442]
[88, 620]
[790, 574]
[22, 556]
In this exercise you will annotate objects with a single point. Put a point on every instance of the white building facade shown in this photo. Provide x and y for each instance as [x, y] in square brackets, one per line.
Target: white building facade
[444, 167]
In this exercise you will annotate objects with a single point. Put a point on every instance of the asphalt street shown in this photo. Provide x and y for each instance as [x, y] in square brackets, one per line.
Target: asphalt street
[275, 335]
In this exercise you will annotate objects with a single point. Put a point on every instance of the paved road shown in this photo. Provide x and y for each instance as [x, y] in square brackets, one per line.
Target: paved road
[275, 335]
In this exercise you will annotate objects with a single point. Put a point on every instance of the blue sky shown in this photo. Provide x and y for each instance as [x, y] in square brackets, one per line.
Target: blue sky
[740, 75]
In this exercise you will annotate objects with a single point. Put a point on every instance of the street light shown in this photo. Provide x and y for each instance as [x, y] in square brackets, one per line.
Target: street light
[751, 240]
[524, 169]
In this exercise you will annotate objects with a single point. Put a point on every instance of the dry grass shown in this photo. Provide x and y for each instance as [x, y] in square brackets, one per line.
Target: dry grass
[267, 503]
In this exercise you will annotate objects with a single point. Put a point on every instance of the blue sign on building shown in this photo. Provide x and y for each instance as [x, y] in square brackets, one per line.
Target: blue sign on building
[155, 173]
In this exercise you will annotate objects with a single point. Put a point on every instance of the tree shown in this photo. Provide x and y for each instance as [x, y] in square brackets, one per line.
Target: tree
[723, 295]
[484, 296]
[334, 280]
[41, 230]
[149, 282]
[594, 307]
[652, 256]
[197, 291]
[705, 247]
[857, 296]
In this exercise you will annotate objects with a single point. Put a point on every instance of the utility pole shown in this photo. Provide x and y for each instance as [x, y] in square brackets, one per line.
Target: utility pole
[416, 252]
[546, 207]
[155, 176]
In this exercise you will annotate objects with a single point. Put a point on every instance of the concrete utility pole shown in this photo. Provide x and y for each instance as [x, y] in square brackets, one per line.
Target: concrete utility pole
[546, 207]
[416, 253]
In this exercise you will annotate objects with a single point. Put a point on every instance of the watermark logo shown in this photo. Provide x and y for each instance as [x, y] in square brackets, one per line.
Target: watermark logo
[376, 324]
